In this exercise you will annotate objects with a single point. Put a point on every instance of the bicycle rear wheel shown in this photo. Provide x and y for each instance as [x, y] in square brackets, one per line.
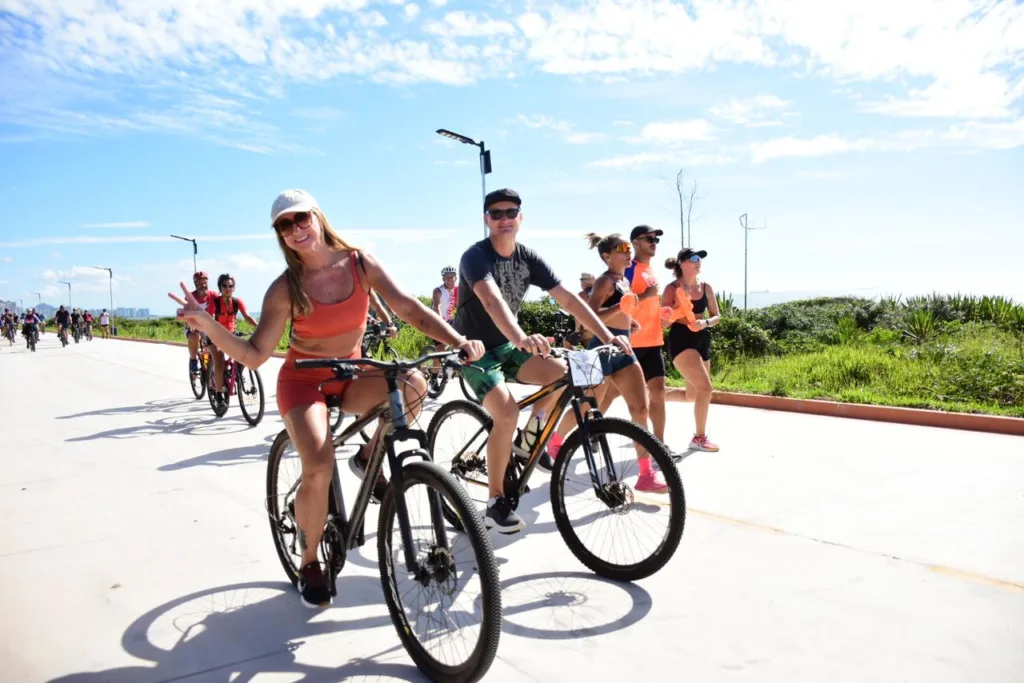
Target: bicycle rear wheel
[197, 380]
[622, 534]
[249, 386]
[456, 569]
[219, 409]
[437, 377]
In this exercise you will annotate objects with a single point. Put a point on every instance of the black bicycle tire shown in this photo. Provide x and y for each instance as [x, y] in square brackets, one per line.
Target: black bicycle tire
[210, 387]
[201, 378]
[436, 388]
[240, 371]
[440, 416]
[390, 354]
[677, 497]
[486, 566]
[273, 463]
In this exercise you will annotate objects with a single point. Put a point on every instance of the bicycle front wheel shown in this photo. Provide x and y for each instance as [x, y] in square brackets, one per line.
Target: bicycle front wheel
[611, 526]
[250, 394]
[447, 610]
[198, 382]
[437, 377]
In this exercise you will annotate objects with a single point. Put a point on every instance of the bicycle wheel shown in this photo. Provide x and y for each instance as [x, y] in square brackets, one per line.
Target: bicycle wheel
[197, 380]
[437, 377]
[249, 386]
[219, 409]
[284, 475]
[458, 571]
[634, 517]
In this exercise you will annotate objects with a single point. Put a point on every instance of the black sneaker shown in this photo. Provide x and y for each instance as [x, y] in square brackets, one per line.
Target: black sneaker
[313, 587]
[546, 462]
[357, 463]
[502, 518]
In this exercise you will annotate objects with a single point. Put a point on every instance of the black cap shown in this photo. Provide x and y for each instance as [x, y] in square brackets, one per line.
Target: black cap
[644, 230]
[502, 195]
[689, 251]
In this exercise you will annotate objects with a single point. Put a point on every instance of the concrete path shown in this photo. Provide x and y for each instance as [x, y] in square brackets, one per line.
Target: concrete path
[136, 548]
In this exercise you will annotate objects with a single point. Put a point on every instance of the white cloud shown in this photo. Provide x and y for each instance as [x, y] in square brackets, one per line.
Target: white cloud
[563, 128]
[820, 145]
[411, 11]
[397, 236]
[988, 135]
[981, 95]
[438, 3]
[958, 49]
[128, 224]
[676, 131]
[372, 19]
[462, 25]
[753, 112]
[6, 259]
[632, 161]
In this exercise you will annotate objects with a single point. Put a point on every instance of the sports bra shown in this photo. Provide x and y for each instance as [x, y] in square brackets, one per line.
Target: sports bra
[699, 305]
[616, 296]
[333, 320]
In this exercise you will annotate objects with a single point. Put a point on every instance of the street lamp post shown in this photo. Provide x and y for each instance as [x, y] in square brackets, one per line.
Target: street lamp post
[69, 289]
[111, 283]
[195, 250]
[485, 158]
[746, 240]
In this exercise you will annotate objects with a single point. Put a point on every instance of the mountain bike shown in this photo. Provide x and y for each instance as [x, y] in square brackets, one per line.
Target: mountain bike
[443, 564]
[201, 377]
[245, 382]
[62, 334]
[88, 331]
[438, 376]
[31, 338]
[587, 463]
[9, 333]
[76, 333]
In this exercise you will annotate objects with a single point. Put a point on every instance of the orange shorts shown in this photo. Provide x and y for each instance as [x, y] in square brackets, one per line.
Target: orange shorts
[297, 387]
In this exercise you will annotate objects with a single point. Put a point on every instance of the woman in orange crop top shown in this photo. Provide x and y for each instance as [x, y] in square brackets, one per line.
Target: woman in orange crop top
[325, 291]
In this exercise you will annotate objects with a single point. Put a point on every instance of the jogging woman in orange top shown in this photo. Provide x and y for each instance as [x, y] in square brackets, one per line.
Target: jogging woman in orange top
[325, 293]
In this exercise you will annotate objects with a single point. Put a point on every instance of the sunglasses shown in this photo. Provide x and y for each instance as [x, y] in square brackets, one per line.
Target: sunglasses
[694, 258]
[285, 226]
[650, 240]
[623, 248]
[226, 286]
[498, 214]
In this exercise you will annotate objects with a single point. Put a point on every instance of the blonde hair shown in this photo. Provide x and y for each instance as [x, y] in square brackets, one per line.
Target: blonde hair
[604, 245]
[299, 299]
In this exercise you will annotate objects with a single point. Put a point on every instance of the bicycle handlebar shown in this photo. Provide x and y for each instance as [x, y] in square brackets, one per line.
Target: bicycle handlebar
[354, 363]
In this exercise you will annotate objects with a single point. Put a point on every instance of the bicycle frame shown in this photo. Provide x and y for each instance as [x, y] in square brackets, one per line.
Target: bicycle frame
[575, 396]
[396, 430]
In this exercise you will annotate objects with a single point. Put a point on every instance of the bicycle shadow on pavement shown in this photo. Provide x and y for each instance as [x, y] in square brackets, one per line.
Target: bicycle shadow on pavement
[166, 405]
[570, 605]
[237, 632]
[228, 457]
[207, 425]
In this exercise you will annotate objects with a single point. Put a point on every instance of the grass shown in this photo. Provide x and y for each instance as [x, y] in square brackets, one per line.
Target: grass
[172, 329]
[974, 369]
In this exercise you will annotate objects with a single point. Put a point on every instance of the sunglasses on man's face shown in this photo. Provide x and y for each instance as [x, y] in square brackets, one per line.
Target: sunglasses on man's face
[285, 226]
[498, 214]
[650, 240]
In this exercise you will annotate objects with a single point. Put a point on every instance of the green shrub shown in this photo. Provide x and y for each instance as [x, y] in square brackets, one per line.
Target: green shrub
[736, 337]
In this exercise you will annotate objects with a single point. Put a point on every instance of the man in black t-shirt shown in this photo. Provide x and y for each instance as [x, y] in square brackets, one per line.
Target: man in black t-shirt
[494, 275]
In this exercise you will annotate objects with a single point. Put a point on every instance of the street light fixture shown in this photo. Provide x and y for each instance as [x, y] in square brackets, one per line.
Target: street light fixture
[485, 158]
[111, 283]
[69, 289]
[195, 249]
[746, 239]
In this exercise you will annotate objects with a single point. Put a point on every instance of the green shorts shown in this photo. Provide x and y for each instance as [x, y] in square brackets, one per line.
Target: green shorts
[498, 365]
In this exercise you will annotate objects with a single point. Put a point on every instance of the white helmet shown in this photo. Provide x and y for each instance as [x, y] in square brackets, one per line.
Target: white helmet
[447, 270]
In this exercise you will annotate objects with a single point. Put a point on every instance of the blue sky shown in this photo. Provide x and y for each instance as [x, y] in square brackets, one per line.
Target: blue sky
[880, 142]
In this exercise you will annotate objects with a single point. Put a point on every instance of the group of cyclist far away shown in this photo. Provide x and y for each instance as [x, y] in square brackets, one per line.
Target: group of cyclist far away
[329, 287]
[33, 323]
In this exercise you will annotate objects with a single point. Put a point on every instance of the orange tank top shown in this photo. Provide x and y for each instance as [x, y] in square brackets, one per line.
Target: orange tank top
[332, 320]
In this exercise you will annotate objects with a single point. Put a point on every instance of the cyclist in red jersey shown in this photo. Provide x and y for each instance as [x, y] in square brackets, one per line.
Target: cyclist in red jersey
[203, 296]
[225, 309]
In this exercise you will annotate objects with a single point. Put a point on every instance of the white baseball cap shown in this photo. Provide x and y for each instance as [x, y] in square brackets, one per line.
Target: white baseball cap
[292, 200]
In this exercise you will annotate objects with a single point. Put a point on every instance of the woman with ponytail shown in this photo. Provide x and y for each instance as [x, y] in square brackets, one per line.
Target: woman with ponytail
[612, 300]
[689, 337]
[325, 293]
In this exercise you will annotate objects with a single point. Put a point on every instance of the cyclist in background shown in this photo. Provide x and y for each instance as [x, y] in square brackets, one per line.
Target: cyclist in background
[30, 323]
[76, 321]
[225, 309]
[445, 300]
[87, 320]
[203, 296]
[63, 320]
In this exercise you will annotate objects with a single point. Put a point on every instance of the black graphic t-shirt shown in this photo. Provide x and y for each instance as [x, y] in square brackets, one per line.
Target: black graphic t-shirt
[513, 275]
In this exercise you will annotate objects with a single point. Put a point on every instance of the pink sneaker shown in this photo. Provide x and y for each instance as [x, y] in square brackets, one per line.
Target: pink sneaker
[651, 483]
[701, 443]
[555, 445]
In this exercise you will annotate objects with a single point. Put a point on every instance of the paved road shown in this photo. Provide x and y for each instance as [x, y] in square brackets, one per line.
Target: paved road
[135, 548]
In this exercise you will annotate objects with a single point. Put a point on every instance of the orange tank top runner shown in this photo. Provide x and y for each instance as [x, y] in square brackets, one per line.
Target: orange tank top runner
[302, 387]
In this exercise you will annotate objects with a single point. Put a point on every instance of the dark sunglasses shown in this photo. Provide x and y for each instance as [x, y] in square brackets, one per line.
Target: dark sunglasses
[286, 225]
[227, 286]
[497, 214]
[650, 240]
